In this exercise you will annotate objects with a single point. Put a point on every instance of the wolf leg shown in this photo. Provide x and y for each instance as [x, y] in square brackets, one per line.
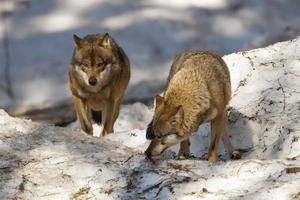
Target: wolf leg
[234, 154]
[216, 130]
[116, 111]
[110, 114]
[83, 115]
[184, 151]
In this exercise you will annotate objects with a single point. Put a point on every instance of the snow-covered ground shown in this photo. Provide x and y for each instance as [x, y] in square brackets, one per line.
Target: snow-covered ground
[150, 31]
[40, 161]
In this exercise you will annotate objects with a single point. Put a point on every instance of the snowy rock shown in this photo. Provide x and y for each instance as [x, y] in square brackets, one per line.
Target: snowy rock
[40, 161]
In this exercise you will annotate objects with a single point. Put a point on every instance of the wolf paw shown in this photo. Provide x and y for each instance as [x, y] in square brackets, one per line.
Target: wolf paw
[104, 133]
[182, 155]
[88, 130]
[212, 158]
[235, 155]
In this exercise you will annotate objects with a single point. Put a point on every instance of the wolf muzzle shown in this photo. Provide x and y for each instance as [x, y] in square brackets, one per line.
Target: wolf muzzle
[92, 81]
[149, 132]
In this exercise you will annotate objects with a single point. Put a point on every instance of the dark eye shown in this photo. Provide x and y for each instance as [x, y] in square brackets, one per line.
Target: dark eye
[106, 62]
[113, 62]
[110, 61]
[99, 64]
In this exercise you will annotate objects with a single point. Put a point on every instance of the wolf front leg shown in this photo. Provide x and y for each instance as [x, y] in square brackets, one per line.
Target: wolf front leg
[110, 114]
[83, 115]
[217, 125]
[117, 110]
[184, 151]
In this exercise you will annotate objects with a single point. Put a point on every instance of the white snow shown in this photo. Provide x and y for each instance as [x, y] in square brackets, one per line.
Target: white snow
[40, 161]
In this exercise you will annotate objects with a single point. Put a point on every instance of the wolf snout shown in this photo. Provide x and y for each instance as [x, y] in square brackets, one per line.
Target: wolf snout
[92, 81]
[148, 153]
[149, 132]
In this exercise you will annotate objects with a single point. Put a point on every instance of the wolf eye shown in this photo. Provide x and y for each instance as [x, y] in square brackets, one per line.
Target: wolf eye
[113, 62]
[109, 61]
[99, 64]
[105, 63]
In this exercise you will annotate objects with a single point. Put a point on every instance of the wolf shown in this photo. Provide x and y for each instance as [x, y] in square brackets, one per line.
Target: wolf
[99, 73]
[198, 90]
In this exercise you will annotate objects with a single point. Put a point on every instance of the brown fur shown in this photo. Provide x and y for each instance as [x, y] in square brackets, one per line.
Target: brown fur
[198, 91]
[98, 58]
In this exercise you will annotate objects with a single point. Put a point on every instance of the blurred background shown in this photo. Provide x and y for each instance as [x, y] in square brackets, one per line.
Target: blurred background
[36, 41]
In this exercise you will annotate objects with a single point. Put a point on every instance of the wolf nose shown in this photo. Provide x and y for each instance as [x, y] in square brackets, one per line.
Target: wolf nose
[149, 132]
[92, 81]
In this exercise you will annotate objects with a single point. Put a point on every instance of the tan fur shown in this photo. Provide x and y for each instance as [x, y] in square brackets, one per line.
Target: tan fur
[198, 91]
[98, 57]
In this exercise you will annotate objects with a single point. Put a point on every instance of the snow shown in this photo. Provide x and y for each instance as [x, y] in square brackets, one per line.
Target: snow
[41, 161]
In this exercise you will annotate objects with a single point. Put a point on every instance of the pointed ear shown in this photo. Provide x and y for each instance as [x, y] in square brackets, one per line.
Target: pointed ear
[78, 41]
[106, 41]
[179, 114]
[159, 100]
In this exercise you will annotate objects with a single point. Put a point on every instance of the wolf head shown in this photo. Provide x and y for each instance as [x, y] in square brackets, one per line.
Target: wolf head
[165, 129]
[94, 61]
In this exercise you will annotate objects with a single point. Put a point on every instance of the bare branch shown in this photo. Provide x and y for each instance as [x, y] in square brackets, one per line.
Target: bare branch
[283, 92]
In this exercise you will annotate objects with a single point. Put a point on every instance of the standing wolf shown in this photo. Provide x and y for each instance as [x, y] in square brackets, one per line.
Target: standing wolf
[198, 91]
[98, 77]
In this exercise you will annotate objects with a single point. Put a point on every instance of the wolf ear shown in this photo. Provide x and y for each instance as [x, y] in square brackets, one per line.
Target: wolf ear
[179, 114]
[78, 41]
[106, 41]
[159, 100]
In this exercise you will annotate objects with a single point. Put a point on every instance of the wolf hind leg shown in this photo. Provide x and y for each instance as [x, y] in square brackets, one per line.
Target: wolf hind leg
[217, 125]
[234, 154]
